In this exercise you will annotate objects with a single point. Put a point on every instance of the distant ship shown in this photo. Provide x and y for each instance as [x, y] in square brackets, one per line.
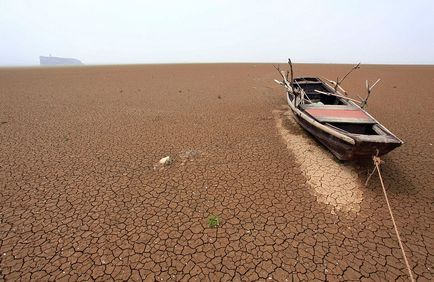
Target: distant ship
[55, 61]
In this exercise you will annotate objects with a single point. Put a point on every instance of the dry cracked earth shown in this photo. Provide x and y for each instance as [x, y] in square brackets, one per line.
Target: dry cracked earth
[83, 199]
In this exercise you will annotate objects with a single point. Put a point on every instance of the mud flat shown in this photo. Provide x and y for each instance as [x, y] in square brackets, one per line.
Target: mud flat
[333, 183]
[81, 198]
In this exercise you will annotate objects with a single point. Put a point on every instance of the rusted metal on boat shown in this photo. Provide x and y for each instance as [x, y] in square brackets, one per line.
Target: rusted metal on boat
[336, 120]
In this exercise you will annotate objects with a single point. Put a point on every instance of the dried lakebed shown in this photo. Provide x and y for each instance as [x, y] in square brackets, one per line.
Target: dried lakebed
[333, 183]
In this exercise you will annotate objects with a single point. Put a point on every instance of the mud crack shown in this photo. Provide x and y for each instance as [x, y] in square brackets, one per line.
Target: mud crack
[332, 183]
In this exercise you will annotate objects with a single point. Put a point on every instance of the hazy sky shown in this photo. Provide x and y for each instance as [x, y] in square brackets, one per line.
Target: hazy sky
[115, 31]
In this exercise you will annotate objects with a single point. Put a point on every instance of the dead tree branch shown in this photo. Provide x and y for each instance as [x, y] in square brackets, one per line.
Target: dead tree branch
[334, 85]
[292, 72]
[369, 90]
[284, 79]
[338, 82]
[355, 67]
[337, 95]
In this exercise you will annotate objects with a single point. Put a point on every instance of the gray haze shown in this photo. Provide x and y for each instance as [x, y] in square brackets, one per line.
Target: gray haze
[125, 32]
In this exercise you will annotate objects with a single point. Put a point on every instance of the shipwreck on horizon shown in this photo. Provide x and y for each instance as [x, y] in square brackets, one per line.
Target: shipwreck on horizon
[340, 123]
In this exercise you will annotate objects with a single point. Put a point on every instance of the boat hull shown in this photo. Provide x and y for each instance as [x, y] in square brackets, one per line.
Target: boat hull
[362, 149]
[347, 130]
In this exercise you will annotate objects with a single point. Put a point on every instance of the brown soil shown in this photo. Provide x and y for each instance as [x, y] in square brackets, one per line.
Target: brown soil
[332, 182]
[81, 197]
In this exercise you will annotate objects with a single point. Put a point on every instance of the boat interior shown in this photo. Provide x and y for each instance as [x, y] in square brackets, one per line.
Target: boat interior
[310, 84]
[334, 111]
[358, 128]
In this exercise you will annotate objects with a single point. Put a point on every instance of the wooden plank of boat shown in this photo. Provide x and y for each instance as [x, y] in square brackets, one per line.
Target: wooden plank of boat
[344, 115]
[319, 125]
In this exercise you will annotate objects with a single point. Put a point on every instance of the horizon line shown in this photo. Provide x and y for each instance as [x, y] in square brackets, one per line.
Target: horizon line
[208, 63]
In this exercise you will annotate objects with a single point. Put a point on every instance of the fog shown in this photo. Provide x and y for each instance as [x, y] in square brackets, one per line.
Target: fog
[134, 32]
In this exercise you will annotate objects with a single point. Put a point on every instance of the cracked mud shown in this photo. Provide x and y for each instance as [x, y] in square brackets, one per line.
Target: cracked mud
[333, 183]
[80, 199]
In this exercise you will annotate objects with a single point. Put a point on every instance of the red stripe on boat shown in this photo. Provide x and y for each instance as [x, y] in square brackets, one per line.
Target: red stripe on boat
[339, 114]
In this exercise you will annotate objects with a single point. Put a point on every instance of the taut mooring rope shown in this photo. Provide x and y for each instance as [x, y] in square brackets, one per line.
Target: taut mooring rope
[377, 162]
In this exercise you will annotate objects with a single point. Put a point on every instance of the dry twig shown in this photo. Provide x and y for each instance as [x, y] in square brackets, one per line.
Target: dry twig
[364, 102]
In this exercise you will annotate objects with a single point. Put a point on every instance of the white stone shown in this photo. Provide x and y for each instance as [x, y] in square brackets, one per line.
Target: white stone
[166, 160]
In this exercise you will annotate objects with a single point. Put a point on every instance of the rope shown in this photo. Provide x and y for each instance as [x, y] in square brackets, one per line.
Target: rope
[369, 176]
[377, 163]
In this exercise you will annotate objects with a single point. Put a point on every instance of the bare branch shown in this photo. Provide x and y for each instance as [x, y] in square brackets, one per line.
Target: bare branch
[343, 90]
[325, 78]
[279, 82]
[302, 92]
[333, 87]
[338, 82]
[355, 67]
[277, 68]
[370, 88]
[279, 71]
[292, 72]
[336, 95]
[284, 82]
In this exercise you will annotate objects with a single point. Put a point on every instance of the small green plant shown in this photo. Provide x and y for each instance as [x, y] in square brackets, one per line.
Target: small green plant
[213, 221]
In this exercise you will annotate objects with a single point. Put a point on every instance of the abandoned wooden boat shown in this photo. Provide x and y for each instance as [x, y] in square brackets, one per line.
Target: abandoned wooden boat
[340, 124]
